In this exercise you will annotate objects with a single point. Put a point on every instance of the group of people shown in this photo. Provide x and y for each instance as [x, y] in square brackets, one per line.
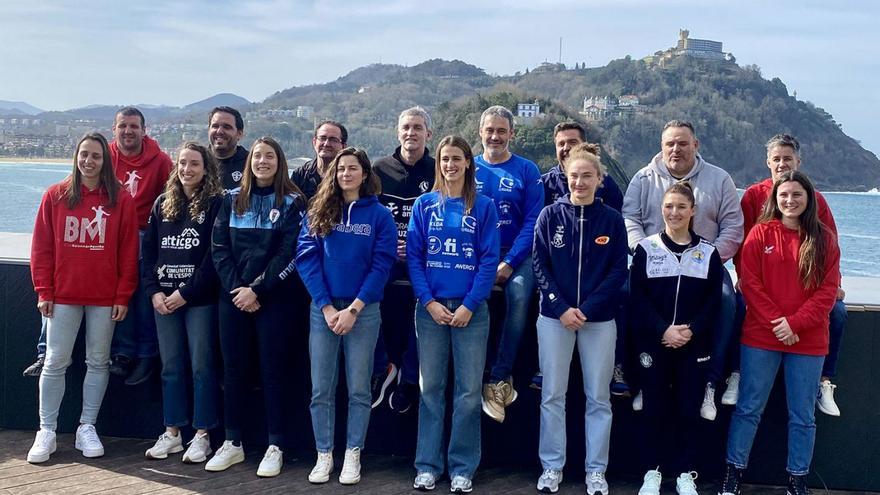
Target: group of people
[399, 257]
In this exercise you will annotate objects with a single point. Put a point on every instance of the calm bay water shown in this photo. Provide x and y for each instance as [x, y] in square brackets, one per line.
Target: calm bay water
[22, 185]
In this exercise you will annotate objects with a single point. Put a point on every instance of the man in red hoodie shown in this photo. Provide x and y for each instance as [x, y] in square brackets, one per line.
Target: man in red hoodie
[142, 168]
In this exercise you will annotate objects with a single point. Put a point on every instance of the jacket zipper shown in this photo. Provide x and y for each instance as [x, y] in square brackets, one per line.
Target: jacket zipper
[580, 253]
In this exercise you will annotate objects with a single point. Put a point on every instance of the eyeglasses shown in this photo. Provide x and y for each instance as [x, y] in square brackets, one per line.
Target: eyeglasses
[330, 139]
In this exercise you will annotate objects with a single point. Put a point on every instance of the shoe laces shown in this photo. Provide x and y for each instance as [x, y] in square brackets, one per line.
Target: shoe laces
[44, 438]
[826, 387]
[89, 435]
[689, 477]
[653, 477]
[730, 484]
[500, 391]
[272, 452]
[352, 455]
[225, 449]
[597, 477]
[710, 394]
[549, 474]
[797, 485]
[198, 437]
[617, 375]
[733, 378]
[324, 460]
[425, 479]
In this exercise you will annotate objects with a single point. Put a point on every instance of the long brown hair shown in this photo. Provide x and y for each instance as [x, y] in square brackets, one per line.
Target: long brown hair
[210, 186]
[469, 190]
[283, 184]
[107, 178]
[325, 210]
[813, 250]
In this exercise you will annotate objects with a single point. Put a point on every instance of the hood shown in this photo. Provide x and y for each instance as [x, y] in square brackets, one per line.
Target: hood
[659, 167]
[359, 204]
[566, 200]
[149, 152]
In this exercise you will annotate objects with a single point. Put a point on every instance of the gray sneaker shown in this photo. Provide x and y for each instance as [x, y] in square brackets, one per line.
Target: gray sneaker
[549, 481]
[596, 483]
[425, 481]
[460, 484]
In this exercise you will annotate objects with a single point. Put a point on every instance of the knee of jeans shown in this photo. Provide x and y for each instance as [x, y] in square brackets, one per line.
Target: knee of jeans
[99, 363]
[802, 417]
[54, 366]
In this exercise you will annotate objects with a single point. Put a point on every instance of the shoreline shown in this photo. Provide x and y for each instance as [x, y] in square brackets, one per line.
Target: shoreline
[10, 160]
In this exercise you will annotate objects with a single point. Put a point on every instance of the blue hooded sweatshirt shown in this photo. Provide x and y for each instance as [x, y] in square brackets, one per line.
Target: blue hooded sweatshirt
[556, 186]
[515, 187]
[580, 259]
[452, 254]
[354, 260]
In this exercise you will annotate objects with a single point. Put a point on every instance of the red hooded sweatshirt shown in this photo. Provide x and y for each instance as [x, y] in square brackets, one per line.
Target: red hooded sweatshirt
[85, 256]
[771, 286]
[143, 176]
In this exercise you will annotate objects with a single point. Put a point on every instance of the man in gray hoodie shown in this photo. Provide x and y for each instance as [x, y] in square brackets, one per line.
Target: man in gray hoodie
[718, 219]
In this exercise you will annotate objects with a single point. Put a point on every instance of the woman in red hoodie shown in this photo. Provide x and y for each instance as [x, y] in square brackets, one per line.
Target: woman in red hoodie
[789, 269]
[83, 264]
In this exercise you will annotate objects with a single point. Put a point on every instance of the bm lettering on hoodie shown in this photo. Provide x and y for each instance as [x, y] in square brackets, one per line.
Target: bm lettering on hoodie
[354, 228]
[84, 232]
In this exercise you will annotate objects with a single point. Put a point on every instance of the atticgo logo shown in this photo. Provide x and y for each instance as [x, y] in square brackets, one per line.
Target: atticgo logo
[187, 239]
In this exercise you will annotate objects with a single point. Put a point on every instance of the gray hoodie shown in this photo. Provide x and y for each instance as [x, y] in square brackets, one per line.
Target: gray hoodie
[718, 218]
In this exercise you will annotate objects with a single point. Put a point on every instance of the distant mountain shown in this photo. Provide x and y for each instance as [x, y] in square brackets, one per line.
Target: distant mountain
[18, 108]
[222, 99]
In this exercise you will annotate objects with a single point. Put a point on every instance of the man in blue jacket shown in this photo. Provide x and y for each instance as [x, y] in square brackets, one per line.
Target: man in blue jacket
[514, 184]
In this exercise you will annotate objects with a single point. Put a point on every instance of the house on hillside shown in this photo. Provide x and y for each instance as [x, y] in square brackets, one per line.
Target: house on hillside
[528, 110]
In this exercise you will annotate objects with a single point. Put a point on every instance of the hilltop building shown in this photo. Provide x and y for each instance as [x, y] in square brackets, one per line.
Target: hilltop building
[597, 108]
[690, 47]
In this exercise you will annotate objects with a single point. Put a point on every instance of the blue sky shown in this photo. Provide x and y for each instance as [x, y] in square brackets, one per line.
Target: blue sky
[56, 55]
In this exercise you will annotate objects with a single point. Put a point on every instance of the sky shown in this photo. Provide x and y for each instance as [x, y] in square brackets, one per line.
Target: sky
[58, 55]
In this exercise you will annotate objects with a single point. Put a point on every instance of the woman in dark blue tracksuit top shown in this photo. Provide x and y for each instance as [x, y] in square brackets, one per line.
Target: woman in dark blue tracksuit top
[452, 248]
[346, 248]
[580, 265]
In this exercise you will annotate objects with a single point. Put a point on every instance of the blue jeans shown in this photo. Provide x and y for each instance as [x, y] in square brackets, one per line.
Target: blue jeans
[595, 344]
[357, 347]
[758, 368]
[836, 326]
[518, 294]
[187, 338]
[468, 346]
[135, 336]
[723, 338]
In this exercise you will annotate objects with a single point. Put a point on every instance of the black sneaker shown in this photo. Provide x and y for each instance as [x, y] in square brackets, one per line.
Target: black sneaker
[797, 485]
[402, 399]
[731, 482]
[618, 383]
[380, 383]
[35, 369]
[120, 366]
[141, 372]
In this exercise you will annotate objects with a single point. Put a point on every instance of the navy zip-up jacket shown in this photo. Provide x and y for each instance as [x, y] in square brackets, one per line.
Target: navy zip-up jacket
[354, 260]
[556, 186]
[452, 254]
[580, 257]
[254, 250]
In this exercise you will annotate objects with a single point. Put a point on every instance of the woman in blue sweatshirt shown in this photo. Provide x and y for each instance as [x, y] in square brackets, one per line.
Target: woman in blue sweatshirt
[452, 249]
[347, 245]
[254, 241]
[179, 277]
[580, 265]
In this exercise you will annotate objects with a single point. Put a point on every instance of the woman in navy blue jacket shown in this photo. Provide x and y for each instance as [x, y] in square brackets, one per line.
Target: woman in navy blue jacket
[347, 245]
[580, 265]
[254, 241]
[178, 275]
[452, 249]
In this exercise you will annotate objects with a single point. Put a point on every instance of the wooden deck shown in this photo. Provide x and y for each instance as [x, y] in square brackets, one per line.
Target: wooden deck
[125, 471]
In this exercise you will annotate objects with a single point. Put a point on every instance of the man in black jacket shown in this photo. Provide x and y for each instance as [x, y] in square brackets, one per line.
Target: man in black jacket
[329, 139]
[225, 129]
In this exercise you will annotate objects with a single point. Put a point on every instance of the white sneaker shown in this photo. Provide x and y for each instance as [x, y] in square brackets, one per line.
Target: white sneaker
[651, 484]
[323, 467]
[549, 481]
[638, 402]
[684, 484]
[596, 483]
[44, 446]
[825, 401]
[708, 409]
[270, 466]
[199, 449]
[88, 442]
[166, 444]
[227, 455]
[351, 467]
[425, 482]
[461, 484]
[731, 393]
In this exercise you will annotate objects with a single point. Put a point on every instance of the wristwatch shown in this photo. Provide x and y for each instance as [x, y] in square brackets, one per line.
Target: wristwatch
[352, 310]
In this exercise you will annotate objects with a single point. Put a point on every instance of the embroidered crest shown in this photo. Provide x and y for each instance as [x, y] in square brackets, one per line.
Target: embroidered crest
[558, 240]
[236, 176]
[274, 215]
[646, 360]
[423, 186]
[602, 240]
[201, 218]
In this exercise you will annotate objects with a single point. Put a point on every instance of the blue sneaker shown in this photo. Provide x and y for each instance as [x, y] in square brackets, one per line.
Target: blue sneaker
[618, 383]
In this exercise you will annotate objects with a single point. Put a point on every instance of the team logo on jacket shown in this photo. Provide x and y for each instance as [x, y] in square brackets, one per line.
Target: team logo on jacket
[558, 240]
[79, 230]
[768, 249]
[506, 184]
[392, 207]
[236, 176]
[468, 249]
[646, 360]
[434, 245]
[201, 218]
[423, 186]
[131, 182]
[602, 240]
[187, 239]
[468, 224]
[274, 215]
[697, 256]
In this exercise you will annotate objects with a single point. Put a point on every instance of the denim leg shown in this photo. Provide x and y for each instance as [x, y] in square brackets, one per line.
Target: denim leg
[41, 343]
[410, 367]
[434, 345]
[469, 360]
[61, 334]
[758, 369]
[358, 347]
[173, 353]
[723, 337]
[518, 294]
[200, 334]
[595, 341]
[836, 326]
[324, 348]
[801, 376]
[99, 333]
[555, 348]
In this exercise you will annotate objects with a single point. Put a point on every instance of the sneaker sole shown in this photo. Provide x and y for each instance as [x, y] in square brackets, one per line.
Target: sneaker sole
[387, 383]
[461, 490]
[499, 417]
[37, 459]
[154, 457]
[547, 489]
[90, 453]
[829, 412]
[349, 482]
[398, 411]
[269, 474]
[728, 402]
[594, 492]
[424, 488]
[318, 481]
[217, 469]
